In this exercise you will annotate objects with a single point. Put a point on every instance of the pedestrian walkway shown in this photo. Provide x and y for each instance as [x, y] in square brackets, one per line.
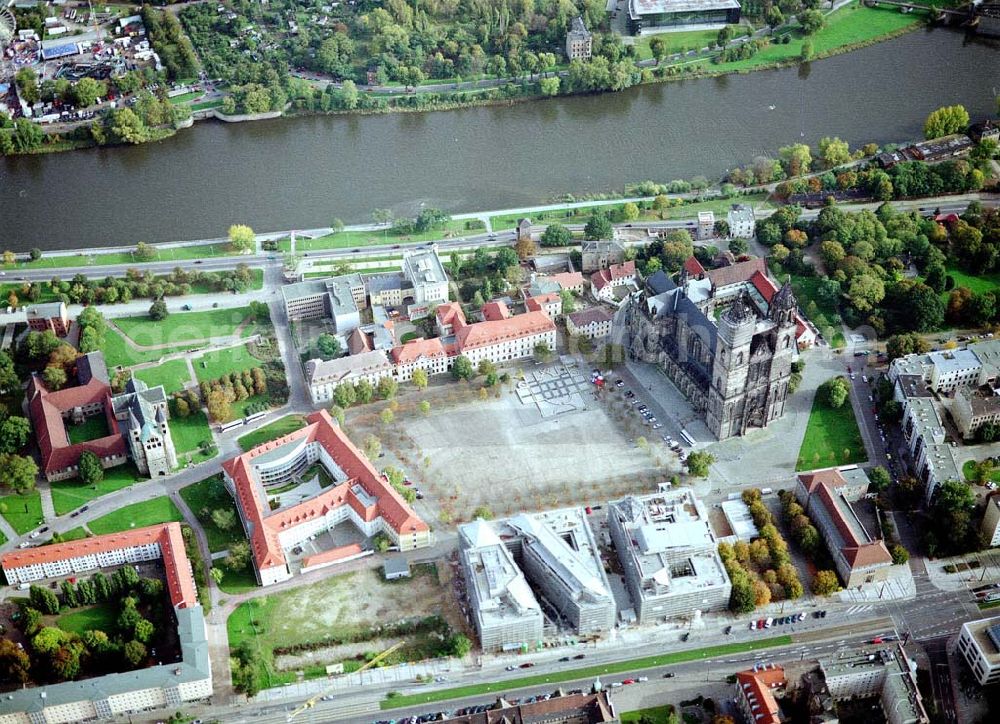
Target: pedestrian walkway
[45, 493]
[8, 532]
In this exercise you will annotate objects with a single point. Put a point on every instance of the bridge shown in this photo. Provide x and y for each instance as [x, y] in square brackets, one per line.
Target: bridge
[970, 14]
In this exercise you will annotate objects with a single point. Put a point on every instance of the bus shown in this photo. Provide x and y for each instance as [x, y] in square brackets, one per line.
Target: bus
[687, 438]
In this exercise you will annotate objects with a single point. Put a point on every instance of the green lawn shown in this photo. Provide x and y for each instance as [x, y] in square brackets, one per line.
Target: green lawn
[93, 428]
[204, 497]
[282, 426]
[212, 365]
[137, 515]
[237, 582]
[968, 470]
[186, 97]
[101, 617]
[118, 353]
[182, 326]
[590, 672]
[677, 42]
[655, 714]
[451, 230]
[581, 214]
[188, 434]
[172, 374]
[78, 533]
[819, 310]
[977, 283]
[23, 512]
[182, 253]
[851, 25]
[70, 494]
[829, 433]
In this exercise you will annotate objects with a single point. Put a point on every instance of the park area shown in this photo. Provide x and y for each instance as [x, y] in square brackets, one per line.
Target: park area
[185, 327]
[206, 497]
[346, 617]
[23, 512]
[192, 437]
[173, 374]
[832, 437]
[68, 495]
[137, 515]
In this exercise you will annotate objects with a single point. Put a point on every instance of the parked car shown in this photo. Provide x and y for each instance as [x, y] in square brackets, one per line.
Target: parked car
[580, 656]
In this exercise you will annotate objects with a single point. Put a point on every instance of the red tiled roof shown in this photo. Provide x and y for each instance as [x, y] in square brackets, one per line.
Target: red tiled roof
[567, 280]
[736, 273]
[450, 313]
[859, 552]
[493, 311]
[484, 334]
[537, 304]
[693, 267]
[266, 526]
[358, 342]
[613, 274]
[763, 284]
[333, 555]
[755, 687]
[46, 410]
[417, 349]
[180, 583]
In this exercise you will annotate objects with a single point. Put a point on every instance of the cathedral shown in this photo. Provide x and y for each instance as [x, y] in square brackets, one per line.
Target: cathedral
[726, 338]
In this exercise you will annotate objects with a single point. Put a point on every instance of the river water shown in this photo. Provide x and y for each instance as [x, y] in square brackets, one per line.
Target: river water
[302, 172]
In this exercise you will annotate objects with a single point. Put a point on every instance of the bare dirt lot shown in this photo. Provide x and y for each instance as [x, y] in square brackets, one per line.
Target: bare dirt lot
[504, 455]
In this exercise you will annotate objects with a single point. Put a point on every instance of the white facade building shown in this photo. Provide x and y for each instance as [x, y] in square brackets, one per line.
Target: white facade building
[979, 645]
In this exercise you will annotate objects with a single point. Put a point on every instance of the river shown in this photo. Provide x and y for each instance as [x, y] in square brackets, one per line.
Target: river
[302, 172]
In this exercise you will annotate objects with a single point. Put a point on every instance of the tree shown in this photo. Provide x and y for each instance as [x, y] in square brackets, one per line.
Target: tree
[806, 53]
[15, 432]
[158, 310]
[420, 378]
[549, 86]
[87, 91]
[899, 554]
[372, 447]
[901, 345]
[834, 151]
[424, 407]
[630, 212]
[825, 583]
[224, 518]
[812, 21]
[328, 346]
[238, 557]
[795, 159]
[44, 600]
[486, 367]
[525, 247]
[134, 652]
[482, 512]
[54, 377]
[242, 238]
[556, 235]
[17, 472]
[945, 121]
[8, 375]
[542, 352]
[834, 392]
[462, 368]
[598, 227]
[217, 405]
[387, 388]
[345, 394]
[880, 478]
[460, 645]
[658, 47]
[91, 472]
[387, 416]
[699, 462]
[217, 575]
[15, 664]
[143, 630]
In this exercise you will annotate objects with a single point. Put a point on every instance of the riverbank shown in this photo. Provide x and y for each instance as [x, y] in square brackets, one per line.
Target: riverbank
[849, 28]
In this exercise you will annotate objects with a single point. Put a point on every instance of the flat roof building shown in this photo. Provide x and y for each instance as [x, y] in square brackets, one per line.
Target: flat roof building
[560, 564]
[649, 16]
[741, 221]
[883, 673]
[668, 554]
[423, 269]
[336, 298]
[506, 614]
[979, 645]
